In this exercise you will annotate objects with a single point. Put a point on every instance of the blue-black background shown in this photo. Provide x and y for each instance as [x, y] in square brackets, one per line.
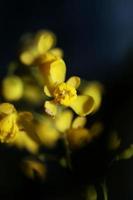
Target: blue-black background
[97, 38]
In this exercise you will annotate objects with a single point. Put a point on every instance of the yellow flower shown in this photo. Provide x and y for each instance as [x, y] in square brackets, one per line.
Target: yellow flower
[94, 89]
[47, 132]
[73, 129]
[8, 122]
[43, 42]
[64, 93]
[26, 137]
[12, 88]
[34, 168]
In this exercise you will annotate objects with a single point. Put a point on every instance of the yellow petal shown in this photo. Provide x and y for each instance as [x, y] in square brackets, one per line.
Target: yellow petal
[74, 81]
[8, 128]
[27, 57]
[45, 40]
[63, 120]
[6, 108]
[94, 89]
[79, 122]
[47, 91]
[57, 71]
[47, 133]
[50, 108]
[24, 141]
[26, 123]
[83, 105]
[57, 52]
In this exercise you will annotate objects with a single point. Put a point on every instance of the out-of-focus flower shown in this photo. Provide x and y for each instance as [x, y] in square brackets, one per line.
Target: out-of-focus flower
[91, 193]
[114, 141]
[94, 89]
[64, 93]
[43, 42]
[34, 168]
[26, 138]
[47, 132]
[12, 88]
[126, 154]
[32, 94]
[74, 129]
[8, 122]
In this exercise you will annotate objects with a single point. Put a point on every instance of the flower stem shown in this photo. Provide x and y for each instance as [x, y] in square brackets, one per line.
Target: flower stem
[68, 152]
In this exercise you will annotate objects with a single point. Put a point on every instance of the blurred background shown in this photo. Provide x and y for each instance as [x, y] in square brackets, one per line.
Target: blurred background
[97, 38]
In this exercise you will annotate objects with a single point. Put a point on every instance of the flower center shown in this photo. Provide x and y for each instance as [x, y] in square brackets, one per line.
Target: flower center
[64, 94]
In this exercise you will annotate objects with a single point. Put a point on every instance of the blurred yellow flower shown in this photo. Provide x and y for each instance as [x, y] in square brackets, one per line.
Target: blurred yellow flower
[43, 42]
[34, 168]
[8, 122]
[47, 132]
[26, 138]
[73, 129]
[32, 94]
[12, 88]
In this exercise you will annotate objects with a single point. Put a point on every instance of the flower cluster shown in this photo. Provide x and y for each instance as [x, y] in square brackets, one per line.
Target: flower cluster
[39, 107]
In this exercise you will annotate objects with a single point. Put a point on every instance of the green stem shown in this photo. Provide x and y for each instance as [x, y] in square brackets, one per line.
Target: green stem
[68, 152]
[105, 191]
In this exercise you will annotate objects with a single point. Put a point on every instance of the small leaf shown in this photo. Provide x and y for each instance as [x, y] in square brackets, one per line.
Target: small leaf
[91, 193]
[126, 154]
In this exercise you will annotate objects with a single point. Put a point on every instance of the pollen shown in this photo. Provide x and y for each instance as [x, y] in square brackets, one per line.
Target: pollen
[64, 94]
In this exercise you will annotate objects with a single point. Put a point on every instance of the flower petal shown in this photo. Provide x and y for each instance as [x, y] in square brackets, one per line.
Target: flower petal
[50, 108]
[94, 89]
[74, 81]
[45, 40]
[47, 133]
[79, 122]
[27, 57]
[57, 52]
[63, 120]
[83, 105]
[47, 91]
[7, 108]
[57, 71]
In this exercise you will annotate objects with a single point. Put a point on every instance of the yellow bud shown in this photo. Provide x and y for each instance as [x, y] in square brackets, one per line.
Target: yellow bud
[44, 40]
[12, 88]
[47, 133]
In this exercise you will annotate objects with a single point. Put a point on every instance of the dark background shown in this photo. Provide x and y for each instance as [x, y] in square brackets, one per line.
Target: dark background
[97, 38]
